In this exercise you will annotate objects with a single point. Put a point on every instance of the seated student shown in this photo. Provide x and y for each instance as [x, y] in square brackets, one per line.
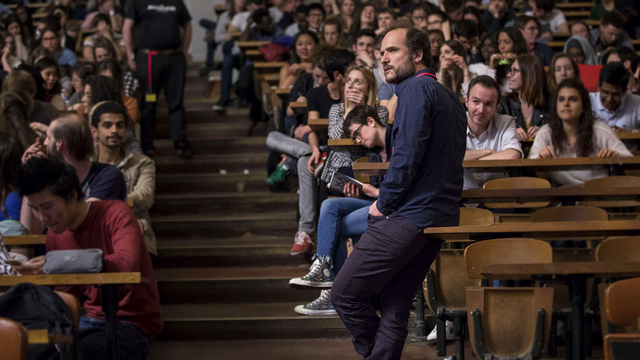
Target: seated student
[610, 34]
[111, 68]
[14, 109]
[51, 40]
[67, 38]
[360, 89]
[562, 67]
[222, 24]
[437, 20]
[552, 20]
[497, 16]
[314, 16]
[510, 43]
[69, 139]
[466, 33]
[307, 151]
[8, 55]
[103, 30]
[109, 125]
[580, 28]
[473, 13]
[574, 131]
[490, 136]
[14, 27]
[106, 7]
[363, 47]
[347, 14]
[436, 38]
[55, 196]
[345, 217]
[530, 28]
[81, 73]
[601, 8]
[385, 90]
[419, 16]
[365, 18]
[527, 100]
[11, 150]
[453, 71]
[453, 9]
[300, 61]
[630, 59]
[103, 49]
[385, 18]
[22, 81]
[332, 33]
[612, 103]
[50, 72]
[580, 50]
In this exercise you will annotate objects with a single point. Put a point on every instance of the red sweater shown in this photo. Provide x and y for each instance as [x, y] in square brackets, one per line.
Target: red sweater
[112, 227]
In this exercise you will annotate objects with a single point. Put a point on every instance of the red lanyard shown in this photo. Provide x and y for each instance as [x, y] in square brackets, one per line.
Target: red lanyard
[428, 74]
[150, 63]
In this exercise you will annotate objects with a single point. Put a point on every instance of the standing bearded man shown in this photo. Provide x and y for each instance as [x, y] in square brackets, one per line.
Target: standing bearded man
[421, 189]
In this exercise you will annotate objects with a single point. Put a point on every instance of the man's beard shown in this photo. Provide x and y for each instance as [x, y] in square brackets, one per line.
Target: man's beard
[402, 72]
[53, 154]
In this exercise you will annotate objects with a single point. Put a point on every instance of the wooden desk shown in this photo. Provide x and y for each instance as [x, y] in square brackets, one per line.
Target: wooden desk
[577, 5]
[270, 78]
[235, 34]
[25, 240]
[538, 230]
[37, 5]
[251, 45]
[219, 9]
[560, 44]
[269, 67]
[625, 135]
[45, 337]
[283, 94]
[108, 283]
[521, 196]
[254, 55]
[576, 274]
[319, 125]
[298, 107]
[342, 143]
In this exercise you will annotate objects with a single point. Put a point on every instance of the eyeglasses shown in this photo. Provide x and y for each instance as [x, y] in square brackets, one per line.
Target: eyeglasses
[356, 135]
[513, 71]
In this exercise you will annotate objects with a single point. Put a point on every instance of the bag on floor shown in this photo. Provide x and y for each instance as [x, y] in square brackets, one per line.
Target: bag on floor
[38, 307]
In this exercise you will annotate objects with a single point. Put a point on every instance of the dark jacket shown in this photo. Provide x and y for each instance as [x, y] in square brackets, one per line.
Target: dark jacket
[543, 52]
[511, 106]
[493, 25]
[426, 146]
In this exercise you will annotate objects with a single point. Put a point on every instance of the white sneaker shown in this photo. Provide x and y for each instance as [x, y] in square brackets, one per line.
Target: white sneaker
[433, 336]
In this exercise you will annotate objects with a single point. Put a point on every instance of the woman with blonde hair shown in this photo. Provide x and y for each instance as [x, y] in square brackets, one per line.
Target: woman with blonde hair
[360, 89]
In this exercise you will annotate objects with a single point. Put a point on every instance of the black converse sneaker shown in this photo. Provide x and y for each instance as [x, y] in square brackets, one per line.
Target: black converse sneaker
[319, 306]
[318, 277]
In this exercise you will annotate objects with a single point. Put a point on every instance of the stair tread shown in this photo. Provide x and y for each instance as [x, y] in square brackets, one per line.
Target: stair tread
[253, 241]
[230, 158]
[255, 311]
[217, 218]
[214, 176]
[225, 195]
[230, 273]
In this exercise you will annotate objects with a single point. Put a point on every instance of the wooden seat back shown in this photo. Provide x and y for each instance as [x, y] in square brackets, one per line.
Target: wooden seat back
[15, 340]
[570, 213]
[509, 318]
[621, 302]
[517, 183]
[619, 249]
[621, 346]
[74, 307]
[613, 181]
[505, 251]
[475, 216]
[362, 178]
[450, 279]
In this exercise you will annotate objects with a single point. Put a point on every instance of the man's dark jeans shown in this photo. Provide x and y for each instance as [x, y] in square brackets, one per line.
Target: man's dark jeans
[133, 343]
[386, 268]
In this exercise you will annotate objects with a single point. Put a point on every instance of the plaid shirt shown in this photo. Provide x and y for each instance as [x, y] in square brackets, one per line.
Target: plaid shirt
[130, 83]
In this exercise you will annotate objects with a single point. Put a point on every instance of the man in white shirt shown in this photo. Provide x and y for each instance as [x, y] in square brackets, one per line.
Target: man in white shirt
[612, 103]
[240, 21]
[551, 19]
[490, 136]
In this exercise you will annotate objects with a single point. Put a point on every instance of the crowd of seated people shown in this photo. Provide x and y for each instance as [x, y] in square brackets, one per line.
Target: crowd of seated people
[72, 166]
[524, 97]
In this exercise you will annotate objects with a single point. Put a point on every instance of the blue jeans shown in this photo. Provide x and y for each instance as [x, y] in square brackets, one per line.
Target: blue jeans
[340, 218]
[133, 343]
[230, 61]
[211, 45]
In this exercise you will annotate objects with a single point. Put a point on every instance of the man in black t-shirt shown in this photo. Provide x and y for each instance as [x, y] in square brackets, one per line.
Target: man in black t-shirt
[69, 139]
[160, 44]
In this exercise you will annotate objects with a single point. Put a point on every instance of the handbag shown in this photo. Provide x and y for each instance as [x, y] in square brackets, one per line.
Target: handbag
[273, 52]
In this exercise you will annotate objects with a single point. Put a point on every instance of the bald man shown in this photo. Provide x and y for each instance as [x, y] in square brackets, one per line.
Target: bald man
[422, 188]
[68, 138]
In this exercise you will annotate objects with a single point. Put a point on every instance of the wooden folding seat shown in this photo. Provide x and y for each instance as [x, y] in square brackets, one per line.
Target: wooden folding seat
[623, 312]
[517, 183]
[15, 340]
[613, 181]
[508, 322]
[570, 213]
[74, 307]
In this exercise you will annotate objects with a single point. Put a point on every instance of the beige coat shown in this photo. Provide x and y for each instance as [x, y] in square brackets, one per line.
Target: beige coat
[140, 175]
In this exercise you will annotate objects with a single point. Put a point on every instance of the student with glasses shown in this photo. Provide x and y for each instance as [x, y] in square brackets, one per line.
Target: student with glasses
[526, 102]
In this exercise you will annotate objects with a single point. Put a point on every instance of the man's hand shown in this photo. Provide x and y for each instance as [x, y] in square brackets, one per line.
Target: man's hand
[373, 209]
[547, 153]
[32, 267]
[301, 131]
[33, 150]
[132, 64]
[522, 135]
[533, 130]
[605, 153]
[314, 160]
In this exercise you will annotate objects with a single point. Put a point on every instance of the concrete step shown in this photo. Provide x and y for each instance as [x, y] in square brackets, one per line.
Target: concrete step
[202, 113]
[197, 183]
[212, 226]
[245, 320]
[223, 203]
[212, 163]
[216, 146]
[251, 251]
[227, 285]
[213, 130]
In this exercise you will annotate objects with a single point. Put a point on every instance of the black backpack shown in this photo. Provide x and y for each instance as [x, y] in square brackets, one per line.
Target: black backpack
[39, 307]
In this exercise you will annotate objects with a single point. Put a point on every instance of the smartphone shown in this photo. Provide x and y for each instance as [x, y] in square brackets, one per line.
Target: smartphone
[13, 262]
